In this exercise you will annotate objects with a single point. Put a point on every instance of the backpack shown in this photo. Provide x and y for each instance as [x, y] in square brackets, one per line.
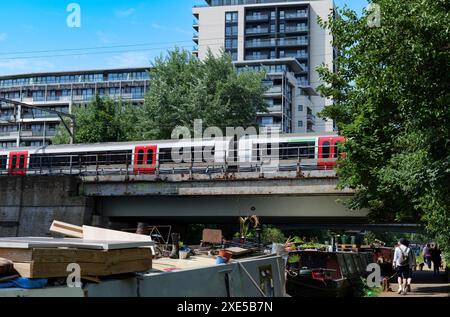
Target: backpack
[404, 257]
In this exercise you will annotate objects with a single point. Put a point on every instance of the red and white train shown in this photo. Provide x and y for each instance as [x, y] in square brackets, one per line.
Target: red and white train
[320, 150]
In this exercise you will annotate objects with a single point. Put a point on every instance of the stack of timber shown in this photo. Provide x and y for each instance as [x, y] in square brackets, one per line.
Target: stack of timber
[349, 247]
[105, 253]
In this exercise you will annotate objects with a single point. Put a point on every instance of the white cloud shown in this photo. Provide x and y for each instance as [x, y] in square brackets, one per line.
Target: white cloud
[3, 37]
[16, 66]
[130, 59]
[125, 13]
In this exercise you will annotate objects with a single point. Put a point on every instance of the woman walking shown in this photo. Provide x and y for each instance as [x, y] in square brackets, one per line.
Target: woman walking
[436, 259]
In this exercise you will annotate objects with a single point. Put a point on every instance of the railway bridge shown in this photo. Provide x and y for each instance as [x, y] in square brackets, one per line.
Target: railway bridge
[29, 204]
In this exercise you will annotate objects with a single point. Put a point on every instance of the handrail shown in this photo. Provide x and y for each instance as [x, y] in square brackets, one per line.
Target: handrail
[206, 160]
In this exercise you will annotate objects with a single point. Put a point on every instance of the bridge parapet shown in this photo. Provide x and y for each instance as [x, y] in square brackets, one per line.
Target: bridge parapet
[312, 183]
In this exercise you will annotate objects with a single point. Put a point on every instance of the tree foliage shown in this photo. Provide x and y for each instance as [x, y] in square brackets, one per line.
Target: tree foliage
[102, 120]
[391, 93]
[183, 89]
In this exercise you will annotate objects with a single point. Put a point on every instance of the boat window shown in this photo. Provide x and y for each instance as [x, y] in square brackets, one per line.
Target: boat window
[342, 264]
[350, 264]
[326, 150]
[359, 264]
[150, 157]
[140, 159]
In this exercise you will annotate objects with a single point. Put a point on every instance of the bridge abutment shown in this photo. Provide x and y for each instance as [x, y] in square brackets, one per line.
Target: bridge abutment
[28, 205]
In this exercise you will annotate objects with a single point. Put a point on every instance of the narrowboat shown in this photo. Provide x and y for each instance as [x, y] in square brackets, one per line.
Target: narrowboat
[325, 274]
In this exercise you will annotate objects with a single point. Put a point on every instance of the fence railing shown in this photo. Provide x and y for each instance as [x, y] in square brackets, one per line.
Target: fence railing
[204, 161]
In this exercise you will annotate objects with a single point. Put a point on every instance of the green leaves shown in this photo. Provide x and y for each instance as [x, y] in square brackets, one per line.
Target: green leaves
[102, 120]
[184, 88]
[392, 95]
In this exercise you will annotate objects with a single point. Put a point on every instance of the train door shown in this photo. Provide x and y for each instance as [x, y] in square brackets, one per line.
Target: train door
[329, 151]
[145, 159]
[18, 163]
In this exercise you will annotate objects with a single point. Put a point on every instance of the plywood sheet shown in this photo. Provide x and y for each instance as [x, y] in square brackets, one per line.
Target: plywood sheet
[35, 243]
[95, 233]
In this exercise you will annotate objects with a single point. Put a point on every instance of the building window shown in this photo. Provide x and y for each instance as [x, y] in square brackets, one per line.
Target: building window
[300, 108]
[267, 120]
[231, 34]
[300, 124]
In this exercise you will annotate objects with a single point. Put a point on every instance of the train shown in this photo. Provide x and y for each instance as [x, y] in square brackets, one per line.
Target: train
[316, 150]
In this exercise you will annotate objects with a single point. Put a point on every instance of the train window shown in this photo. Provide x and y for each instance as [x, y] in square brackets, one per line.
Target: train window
[165, 156]
[14, 162]
[3, 159]
[326, 150]
[150, 157]
[140, 160]
[22, 162]
[293, 151]
[256, 154]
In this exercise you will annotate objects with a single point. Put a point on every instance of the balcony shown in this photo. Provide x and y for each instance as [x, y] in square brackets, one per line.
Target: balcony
[260, 43]
[311, 118]
[10, 134]
[294, 55]
[256, 57]
[195, 25]
[283, 42]
[296, 15]
[274, 90]
[257, 31]
[296, 29]
[195, 38]
[257, 17]
[275, 109]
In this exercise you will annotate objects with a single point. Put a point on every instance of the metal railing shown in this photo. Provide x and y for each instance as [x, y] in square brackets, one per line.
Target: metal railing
[205, 162]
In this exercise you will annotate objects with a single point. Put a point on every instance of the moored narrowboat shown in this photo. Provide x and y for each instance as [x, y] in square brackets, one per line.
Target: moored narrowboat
[325, 274]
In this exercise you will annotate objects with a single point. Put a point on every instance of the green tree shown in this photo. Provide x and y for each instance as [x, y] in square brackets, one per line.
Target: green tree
[102, 120]
[391, 93]
[183, 89]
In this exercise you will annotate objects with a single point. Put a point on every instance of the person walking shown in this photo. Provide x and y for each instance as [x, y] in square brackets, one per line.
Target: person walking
[436, 259]
[414, 265]
[403, 263]
[427, 255]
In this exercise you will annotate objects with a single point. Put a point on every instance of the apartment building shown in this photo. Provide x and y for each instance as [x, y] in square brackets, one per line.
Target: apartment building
[267, 33]
[60, 91]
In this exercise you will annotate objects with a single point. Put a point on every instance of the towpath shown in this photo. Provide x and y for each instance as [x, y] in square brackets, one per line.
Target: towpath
[424, 285]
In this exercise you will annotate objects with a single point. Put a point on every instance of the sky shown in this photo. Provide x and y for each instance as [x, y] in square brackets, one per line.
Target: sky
[35, 37]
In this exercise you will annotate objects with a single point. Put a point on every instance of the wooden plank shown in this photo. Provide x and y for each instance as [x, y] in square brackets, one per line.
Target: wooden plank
[67, 229]
[34, 243]
[53, 270]
[74, 255]
[19, 255]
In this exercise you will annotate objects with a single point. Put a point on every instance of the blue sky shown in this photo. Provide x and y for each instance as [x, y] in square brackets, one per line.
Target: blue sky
[133, 32]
